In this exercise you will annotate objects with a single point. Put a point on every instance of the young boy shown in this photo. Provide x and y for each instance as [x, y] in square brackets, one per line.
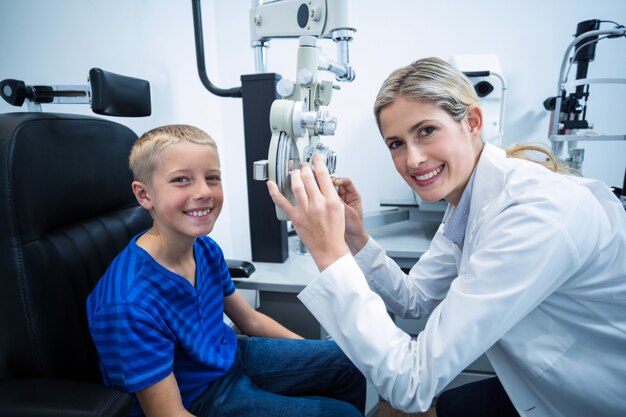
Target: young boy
[156, 315]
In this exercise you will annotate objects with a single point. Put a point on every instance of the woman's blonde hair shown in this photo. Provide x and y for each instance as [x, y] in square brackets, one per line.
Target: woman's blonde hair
[519, 151]
[145, 154]
[429, 80]
[433, 80]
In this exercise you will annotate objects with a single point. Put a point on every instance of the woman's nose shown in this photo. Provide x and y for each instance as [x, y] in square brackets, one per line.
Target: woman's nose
[414, 155]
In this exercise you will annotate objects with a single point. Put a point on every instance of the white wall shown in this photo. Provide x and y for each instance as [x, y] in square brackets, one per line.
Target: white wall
[58, 42]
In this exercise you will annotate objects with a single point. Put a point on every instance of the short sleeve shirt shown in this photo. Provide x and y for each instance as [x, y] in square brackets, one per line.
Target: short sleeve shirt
[148, 322]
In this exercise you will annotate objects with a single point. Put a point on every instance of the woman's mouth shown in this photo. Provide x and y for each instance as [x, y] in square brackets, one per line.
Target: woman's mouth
[428, 177]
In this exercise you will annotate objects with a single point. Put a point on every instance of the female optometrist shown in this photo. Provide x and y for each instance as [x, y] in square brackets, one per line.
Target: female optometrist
[527, 267]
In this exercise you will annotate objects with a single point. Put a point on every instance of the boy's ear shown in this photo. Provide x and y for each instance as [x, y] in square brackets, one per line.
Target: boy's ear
[142, 194]
[475, 120]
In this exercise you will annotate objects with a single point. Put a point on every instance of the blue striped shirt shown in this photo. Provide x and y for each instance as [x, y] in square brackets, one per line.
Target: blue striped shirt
[148, 322]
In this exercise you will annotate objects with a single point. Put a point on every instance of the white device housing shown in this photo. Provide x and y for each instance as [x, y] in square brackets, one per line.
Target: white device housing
[277, 19]
[492, 104]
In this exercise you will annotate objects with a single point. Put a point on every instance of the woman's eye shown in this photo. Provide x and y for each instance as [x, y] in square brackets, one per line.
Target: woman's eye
[394, 144]
[428, 130]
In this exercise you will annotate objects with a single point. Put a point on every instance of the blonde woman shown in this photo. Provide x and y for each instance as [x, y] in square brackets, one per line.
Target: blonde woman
[527, 267]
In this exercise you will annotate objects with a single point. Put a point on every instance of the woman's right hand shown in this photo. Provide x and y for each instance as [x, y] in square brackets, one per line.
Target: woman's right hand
[355, 234]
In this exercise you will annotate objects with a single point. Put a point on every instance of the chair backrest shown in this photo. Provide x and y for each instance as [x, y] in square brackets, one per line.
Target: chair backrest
[66, 210]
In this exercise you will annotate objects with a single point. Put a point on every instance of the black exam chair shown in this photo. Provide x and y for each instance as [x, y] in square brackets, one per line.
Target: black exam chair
[66, 210]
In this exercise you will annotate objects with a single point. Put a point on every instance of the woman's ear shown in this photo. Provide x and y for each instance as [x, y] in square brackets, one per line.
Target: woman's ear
[142, 194]
[475, 120]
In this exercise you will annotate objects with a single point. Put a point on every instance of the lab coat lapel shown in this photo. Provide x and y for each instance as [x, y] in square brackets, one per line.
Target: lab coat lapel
[489, 180]
[488, 184]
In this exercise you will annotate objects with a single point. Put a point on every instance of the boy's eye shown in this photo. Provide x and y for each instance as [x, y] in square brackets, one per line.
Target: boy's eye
[213, 178]
[180, 180]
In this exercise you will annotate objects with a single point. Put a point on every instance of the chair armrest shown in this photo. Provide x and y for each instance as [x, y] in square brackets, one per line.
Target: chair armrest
[239, 269]
[48, 397]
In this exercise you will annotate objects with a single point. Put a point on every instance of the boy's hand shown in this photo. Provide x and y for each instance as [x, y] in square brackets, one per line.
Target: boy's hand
[318, 216]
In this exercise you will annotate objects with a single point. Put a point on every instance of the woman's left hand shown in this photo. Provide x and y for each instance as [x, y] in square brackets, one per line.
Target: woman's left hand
[318, 216]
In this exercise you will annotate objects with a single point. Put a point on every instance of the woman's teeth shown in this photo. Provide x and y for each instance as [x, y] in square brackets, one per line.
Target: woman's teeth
[429, 175]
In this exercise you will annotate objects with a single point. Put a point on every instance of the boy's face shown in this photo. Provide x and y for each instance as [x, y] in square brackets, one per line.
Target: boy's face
[186, 195]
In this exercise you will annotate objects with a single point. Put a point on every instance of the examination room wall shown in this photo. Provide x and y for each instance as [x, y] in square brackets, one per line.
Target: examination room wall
[44, 42]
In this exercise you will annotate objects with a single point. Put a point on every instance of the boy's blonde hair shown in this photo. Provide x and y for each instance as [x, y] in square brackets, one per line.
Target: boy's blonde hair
[144, 156]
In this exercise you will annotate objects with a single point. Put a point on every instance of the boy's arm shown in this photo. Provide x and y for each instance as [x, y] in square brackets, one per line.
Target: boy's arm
[162, 399]
[253, 323]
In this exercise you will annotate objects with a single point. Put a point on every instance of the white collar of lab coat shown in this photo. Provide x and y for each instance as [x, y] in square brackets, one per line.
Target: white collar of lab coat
[489, 180]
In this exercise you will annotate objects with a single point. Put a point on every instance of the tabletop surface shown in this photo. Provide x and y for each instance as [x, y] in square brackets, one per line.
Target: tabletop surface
[406, 240]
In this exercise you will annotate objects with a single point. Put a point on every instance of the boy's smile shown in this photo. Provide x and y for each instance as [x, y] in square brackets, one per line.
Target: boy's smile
[198, 213]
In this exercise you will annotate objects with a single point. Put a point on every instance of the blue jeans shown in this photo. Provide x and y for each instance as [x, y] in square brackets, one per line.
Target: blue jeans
[286, 378]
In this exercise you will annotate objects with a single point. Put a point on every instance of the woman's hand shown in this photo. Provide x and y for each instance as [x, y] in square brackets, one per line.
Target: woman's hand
[356, 236]
[318, 216]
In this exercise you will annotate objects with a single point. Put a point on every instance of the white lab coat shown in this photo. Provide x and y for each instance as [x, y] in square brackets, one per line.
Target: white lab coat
[540, 287]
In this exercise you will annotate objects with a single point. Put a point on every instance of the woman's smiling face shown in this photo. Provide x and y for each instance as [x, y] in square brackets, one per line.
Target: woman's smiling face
[434, 153]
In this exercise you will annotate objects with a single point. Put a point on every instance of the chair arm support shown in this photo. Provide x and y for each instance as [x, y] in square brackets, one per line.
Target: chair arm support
[239, 269]
[47, 397]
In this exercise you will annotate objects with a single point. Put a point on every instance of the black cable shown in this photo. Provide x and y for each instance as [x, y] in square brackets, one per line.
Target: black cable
[197, 25]
[617, 26]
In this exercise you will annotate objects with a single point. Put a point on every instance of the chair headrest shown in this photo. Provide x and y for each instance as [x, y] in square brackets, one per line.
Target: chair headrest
[62, 168]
